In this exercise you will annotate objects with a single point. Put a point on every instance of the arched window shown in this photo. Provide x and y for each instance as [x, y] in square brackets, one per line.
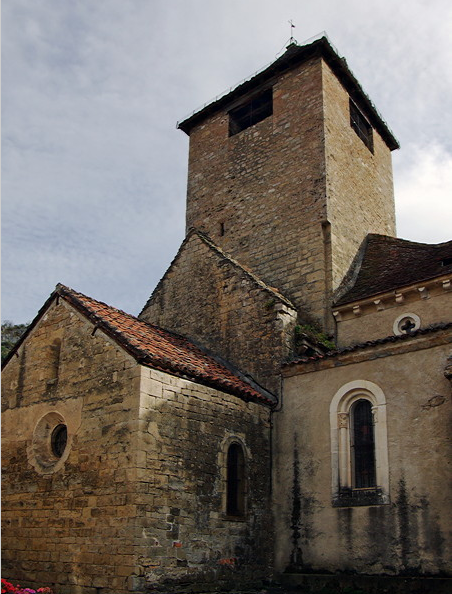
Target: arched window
[235, 481]
[359, 450]
[362, 445]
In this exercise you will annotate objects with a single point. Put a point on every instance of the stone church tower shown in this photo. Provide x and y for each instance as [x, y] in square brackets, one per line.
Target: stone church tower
[290, 171]
[287, 175]
[202, 446]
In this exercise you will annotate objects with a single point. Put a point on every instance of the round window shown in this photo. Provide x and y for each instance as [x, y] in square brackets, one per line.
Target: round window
[50, 445]
[406, 324]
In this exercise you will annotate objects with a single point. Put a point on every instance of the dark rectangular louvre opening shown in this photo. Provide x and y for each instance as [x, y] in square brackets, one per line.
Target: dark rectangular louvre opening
[361, 126]
[252, 112]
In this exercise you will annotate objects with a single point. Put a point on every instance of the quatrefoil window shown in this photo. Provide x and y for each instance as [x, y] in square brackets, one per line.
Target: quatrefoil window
[406, 324]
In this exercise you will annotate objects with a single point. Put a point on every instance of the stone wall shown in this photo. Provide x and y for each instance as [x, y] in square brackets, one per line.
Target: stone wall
[136, 501]
[292, 196]
[359, 182]
[407, 535]
[183, 533]
[267, 186]
[70, 523]
[375, 317]
[210, 299]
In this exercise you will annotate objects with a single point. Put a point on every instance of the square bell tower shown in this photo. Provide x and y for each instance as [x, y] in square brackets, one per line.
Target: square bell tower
[290, 171]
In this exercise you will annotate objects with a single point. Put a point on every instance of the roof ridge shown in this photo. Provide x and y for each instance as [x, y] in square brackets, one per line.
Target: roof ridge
[160, 348]
[407, 242]
[296, 54]
[206, 239]
[274, 291]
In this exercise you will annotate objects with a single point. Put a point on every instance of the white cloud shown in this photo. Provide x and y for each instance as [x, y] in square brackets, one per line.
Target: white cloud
[423, 194]
[94, 171]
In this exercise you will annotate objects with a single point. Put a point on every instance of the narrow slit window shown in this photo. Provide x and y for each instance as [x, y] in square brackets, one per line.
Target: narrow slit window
[363, 446]
[250, 113]
[235, 482]
[361, 126]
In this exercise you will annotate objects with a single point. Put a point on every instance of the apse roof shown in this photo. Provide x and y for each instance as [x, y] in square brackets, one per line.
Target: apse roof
[385, 264]
[370, 344]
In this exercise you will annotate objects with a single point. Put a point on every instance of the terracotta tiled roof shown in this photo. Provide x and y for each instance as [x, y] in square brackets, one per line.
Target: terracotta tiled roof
[385, 263]
[160, 349]
[371, 343]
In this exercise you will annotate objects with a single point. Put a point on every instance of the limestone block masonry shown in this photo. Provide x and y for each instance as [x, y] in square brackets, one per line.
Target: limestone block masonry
[73, 526]
[138, 500]
[208, 297]
[283, 194]
[184, 534]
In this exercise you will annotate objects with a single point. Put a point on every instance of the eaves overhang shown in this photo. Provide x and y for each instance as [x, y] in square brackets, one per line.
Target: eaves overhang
[368, 349]
[294, 56]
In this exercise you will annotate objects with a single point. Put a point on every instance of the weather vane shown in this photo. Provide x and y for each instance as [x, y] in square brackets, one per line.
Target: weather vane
[292, 27]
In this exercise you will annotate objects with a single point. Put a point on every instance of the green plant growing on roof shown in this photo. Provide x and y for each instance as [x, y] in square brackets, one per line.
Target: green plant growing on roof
[313, 334]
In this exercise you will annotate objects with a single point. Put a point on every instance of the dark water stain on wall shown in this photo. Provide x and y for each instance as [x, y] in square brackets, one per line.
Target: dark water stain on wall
[345, 527]
[296, 556]
[380, 538]
[403, 520]
[431, 532]
[408, 541]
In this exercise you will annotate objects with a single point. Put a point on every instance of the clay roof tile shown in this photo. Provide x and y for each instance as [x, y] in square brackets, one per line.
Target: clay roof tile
[161, 349]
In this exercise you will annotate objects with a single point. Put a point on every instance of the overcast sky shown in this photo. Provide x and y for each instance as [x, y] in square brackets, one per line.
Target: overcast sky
[93, 168]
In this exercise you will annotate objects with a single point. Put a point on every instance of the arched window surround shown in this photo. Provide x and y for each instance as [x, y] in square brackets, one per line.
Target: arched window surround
[234, 440]
[344, 493]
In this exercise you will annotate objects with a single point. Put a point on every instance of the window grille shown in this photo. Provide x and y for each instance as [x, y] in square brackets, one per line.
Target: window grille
[250, 113]
[361, 126]
[363, 446]
[58, 440]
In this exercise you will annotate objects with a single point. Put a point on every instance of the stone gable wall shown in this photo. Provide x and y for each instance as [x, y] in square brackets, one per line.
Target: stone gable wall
[72, 528]
[205, 297]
